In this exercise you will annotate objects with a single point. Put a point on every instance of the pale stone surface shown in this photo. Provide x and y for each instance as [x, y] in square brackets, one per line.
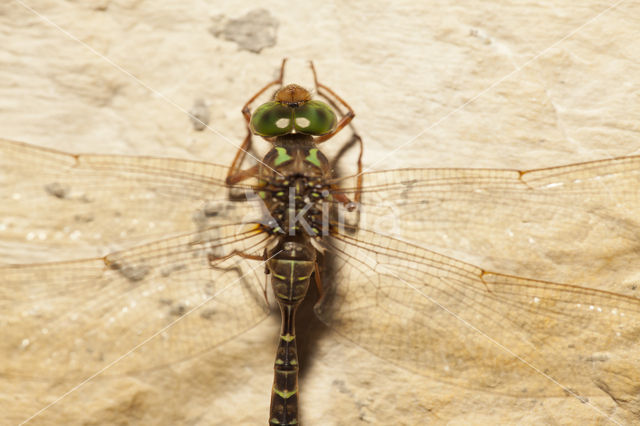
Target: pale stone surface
[499, 84]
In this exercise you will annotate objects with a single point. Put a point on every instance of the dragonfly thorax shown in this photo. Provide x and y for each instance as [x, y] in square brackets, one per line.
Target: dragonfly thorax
[293, 186]
[297, 205]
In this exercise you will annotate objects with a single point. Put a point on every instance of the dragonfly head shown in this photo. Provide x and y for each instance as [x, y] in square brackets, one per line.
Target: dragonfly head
[293, 111]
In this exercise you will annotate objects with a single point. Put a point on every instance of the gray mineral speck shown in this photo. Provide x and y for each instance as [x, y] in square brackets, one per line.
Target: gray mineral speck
[57, 189]
[253, 31]
[199, 115]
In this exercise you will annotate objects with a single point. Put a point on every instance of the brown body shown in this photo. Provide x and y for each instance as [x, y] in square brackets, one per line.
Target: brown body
[293, 183]
[292, 189]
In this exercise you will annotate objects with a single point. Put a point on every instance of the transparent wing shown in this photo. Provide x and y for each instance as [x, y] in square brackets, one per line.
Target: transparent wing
[528, 220]
[164, 302]
[80, 205]
[460, 324]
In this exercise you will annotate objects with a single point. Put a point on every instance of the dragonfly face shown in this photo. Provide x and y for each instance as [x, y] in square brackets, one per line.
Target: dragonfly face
[196, 285]
[292, 110]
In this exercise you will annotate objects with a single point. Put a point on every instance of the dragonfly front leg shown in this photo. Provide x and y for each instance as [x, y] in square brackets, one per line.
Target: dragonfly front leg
[346, 118]
[235, 174]
[333, 99]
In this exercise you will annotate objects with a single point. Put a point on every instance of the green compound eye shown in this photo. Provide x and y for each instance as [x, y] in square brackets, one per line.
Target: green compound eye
[314, 118]
[272, 119]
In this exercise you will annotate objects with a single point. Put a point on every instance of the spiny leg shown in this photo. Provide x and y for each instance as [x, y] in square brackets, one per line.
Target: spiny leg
[355, 138]
[213, 258]
[346, 119]
[235, 175]
[246, 111]
[345, 147]
[266, 279]
[318, 279]
[234, 170]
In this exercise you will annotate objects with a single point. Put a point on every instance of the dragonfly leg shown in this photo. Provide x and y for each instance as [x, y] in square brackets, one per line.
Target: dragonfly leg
[346, 117]
[246, 110]
[213, 258]
[351, 205]
[354, 139]
[234, 169]
[318, 280]
[266, 278]
[241, 175]
[344, 121]
[235, 174]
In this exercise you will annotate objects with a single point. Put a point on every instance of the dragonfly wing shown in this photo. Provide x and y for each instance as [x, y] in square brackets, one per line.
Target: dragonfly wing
[132, 310]
[459, 324]
[582, 216]
[78, 204]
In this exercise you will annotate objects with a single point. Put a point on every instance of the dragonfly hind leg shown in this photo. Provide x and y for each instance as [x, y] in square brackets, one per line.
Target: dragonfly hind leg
[215, 259]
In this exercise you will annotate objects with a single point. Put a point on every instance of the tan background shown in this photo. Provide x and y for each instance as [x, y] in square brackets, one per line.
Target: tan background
[539, 85]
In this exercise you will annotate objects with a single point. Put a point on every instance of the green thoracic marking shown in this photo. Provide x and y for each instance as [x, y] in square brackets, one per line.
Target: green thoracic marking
[313, 157]
[285, 394]
[280, 277]
[262, 194]
[288, 337]
[283, 156]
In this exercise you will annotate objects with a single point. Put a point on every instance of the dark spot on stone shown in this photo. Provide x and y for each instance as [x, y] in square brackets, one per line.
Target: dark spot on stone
[57, 189]
[199, 115]
[211, 209]
[253, 31]
[341, 385]
[178, 310]
[598, 357]
[208, 313]
[83, 218]
[132, 273]
[171, 269]
[210, 212]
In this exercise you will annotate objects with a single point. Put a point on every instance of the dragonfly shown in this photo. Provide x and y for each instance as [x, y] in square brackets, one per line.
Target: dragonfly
[203, 239]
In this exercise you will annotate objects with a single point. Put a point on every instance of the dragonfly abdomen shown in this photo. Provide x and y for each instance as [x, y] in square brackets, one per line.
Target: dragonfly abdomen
[291, 264]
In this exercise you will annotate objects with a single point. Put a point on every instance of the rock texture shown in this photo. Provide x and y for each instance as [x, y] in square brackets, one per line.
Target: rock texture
[496, 84]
